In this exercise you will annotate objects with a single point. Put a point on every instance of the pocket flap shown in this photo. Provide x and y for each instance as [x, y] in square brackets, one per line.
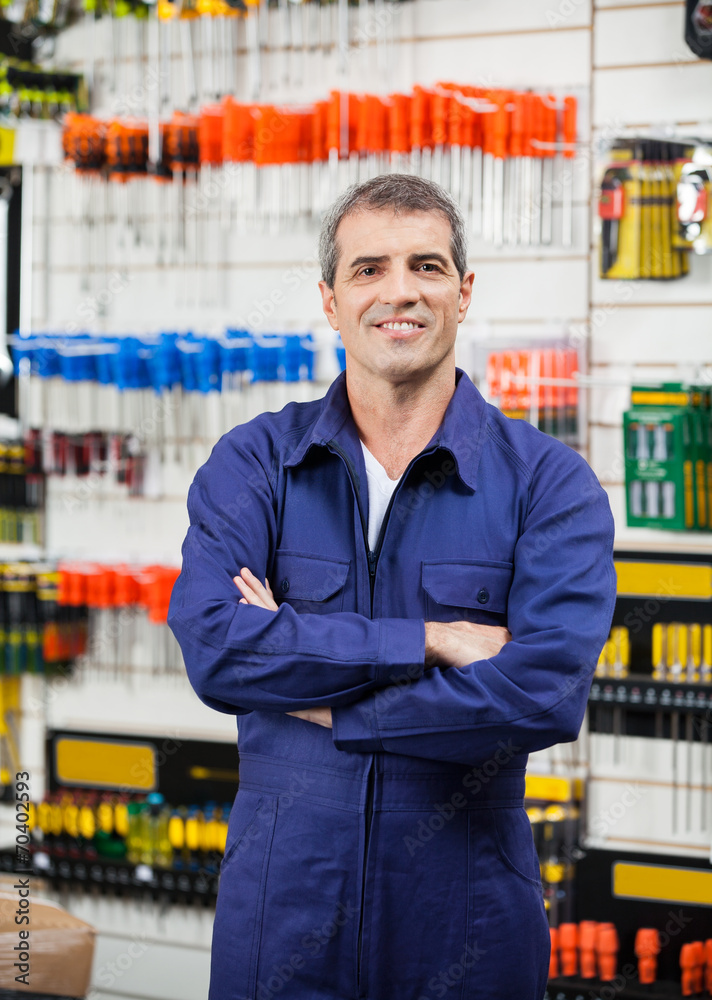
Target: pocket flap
[301, 577]
[475, 584]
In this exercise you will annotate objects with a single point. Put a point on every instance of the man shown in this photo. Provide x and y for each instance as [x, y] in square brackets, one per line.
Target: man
[438, 584]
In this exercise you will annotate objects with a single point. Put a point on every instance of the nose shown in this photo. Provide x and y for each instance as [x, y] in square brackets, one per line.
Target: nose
[400, 287]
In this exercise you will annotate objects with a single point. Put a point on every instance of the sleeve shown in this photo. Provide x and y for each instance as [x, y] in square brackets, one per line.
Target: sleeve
[240, 657]
[533, 693]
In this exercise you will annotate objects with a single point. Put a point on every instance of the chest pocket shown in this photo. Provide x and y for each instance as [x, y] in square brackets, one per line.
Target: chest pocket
[311, 584]
[475, 591]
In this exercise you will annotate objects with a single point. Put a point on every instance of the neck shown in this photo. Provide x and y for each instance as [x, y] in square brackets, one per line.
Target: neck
[396, 420]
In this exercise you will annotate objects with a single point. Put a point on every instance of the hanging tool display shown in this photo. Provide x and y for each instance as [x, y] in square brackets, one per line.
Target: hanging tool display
[147, 391]
[28, 91]
[539, 385]
[117, 458]
[585, 961]
[128, 609]
[42, 625]
[494, 150]
[655, 207]
[21, 493]
[120, 843]
[553, 806]
[670, 700]
[668, 457]
[133, 816]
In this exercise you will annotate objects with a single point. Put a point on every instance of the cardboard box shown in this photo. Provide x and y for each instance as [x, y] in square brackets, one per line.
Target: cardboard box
[59, 946]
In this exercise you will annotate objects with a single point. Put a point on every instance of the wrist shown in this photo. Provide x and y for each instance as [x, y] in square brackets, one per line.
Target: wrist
[432, 630]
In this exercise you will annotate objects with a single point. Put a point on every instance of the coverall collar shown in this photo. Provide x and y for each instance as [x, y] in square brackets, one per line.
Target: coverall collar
[461, 431]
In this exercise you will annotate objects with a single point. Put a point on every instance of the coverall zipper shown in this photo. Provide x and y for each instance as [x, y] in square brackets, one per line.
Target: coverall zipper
[372, 563]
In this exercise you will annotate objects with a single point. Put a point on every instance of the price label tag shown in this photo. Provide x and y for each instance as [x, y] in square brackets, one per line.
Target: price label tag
[7, 146]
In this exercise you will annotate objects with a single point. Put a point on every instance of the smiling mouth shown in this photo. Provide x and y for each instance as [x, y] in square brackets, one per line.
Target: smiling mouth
[398, 326]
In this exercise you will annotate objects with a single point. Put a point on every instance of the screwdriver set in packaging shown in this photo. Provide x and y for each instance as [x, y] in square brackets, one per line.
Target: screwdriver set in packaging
[534, 380]
[655, 207]
[668, 457]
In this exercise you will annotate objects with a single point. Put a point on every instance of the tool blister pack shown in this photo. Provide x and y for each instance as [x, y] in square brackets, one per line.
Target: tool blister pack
[668, 457]
[655, 208]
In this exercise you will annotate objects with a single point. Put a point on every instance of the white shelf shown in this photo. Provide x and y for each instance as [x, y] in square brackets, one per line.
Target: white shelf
[651, 540]
[12, 551]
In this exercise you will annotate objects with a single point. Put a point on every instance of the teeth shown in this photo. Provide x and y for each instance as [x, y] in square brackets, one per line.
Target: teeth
[400, 326]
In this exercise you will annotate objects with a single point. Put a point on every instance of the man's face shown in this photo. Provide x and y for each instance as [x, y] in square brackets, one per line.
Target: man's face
[395, 270]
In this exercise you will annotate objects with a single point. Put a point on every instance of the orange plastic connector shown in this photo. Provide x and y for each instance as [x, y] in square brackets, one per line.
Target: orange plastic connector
[687, 965]
[607, 951]
[568, 945]
[708, 966]
[554, 958]
[698, 969]
[587, 948]
[647, 948]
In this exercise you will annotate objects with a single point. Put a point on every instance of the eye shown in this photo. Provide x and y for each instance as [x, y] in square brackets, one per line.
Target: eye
[430, 267]
[368, 271]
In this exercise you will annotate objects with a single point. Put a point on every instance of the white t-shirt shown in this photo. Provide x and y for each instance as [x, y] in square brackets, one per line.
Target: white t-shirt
[380, 490]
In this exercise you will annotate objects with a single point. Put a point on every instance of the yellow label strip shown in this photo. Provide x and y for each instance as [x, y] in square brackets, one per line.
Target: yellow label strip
[660, 884]
[105, 763]
[671, 580]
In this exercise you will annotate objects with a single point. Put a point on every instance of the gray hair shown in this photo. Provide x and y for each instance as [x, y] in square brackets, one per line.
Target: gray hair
[401, 193]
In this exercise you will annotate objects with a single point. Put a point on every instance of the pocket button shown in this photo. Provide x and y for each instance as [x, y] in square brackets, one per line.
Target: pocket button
[285, 585]
[483, 595]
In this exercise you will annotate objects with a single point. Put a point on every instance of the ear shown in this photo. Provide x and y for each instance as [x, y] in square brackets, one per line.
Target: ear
[329, 304]
[465, 295]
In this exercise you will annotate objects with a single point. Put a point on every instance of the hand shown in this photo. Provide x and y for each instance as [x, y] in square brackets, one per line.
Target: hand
[254, 593]
[321, 716]
[455, 644]
[252, 590]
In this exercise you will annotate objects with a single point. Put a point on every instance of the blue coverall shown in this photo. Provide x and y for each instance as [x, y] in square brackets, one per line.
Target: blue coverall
[389, 858]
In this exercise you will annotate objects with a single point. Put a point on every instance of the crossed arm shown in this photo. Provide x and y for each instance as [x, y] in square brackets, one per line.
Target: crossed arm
[335, 669]
[447, 644]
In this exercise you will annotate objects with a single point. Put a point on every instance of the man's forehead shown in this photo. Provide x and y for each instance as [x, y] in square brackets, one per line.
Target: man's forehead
[365, 226]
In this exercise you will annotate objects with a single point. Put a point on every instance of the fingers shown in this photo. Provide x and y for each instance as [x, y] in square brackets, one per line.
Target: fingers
[248, 595]
[253, 592]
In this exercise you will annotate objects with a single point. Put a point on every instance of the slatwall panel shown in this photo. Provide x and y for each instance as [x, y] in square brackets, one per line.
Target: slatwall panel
[645, 75]
[628, 64]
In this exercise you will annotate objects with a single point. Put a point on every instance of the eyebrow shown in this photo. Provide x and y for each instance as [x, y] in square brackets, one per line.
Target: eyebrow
[415, 258]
